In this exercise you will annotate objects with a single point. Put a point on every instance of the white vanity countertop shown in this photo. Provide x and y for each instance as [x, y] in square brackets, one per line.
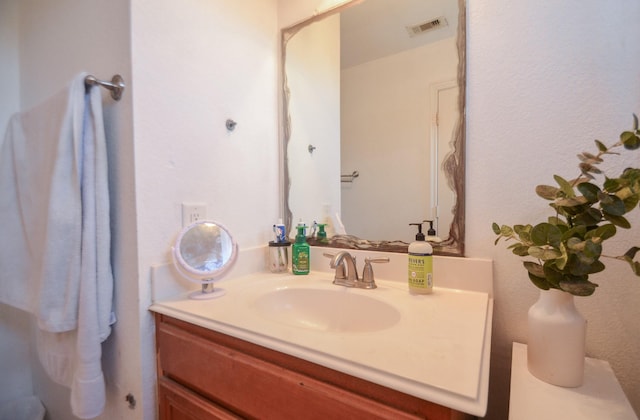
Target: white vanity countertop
[438, 351]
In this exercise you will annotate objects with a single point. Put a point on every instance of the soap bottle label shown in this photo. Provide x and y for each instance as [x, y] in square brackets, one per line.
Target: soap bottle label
[420, 271]
[300, 263]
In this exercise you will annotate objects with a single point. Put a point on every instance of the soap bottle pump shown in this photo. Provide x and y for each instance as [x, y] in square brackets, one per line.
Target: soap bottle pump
[431, 233]
[420, 273]
[300, 260]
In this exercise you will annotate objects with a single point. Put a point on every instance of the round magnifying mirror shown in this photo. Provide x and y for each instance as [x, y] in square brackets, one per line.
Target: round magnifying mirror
[203, 253]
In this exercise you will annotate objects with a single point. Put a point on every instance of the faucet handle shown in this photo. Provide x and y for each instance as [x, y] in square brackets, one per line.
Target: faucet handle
[368, 281]
[341, 270]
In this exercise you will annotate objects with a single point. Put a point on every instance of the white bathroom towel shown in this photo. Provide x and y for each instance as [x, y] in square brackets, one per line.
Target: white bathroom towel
[55, 248]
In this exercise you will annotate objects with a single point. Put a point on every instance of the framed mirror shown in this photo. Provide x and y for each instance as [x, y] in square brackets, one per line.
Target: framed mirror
[373, 122]
[203, 253]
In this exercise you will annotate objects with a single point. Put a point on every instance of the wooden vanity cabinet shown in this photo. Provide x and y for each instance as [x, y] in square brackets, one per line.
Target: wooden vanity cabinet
[203, 374]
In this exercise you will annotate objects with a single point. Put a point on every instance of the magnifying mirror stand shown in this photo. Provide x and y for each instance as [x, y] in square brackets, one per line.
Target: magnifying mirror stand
[207, 291]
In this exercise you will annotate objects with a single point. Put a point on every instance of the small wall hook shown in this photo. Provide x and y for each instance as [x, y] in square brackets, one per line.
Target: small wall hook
[131, 400]
[230, 124]
[311, 148]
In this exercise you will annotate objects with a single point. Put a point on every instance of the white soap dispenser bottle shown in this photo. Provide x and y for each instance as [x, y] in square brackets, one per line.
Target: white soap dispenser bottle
[420, 273]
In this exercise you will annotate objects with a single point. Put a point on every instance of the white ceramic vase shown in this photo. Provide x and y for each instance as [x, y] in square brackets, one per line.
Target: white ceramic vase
[556, 343]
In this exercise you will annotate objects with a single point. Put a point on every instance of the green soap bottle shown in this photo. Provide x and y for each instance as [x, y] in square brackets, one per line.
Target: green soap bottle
[301, 258]
[322, 235]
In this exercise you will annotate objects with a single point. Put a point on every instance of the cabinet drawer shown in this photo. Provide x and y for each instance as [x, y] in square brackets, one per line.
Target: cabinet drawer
[178, 403]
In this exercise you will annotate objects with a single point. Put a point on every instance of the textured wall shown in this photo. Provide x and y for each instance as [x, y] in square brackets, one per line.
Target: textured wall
[14, 325]
[195, 64]
[545, 79]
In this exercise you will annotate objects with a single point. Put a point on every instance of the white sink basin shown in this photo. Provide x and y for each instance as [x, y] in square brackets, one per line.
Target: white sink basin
[326, 310]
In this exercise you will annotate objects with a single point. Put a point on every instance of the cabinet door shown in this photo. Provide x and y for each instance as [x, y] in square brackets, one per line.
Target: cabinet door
[178, 403]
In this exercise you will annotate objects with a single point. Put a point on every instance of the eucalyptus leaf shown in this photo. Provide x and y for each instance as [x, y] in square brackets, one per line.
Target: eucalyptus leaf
[547, 192]
[589, 191]
[588, 168]
[539, 282]
[630, 140]
[577, 231]
[565, 186]
[611, 185]
[617, 220]
[588, 157]
[612, 205]
[575, 244]
[556, 221]
[577, 267]
[635, 267]
[543, 253]
[572, 201]
[523, 232]
[506, 230]
[546, 234]
[603, 232]
[601, 147]
[520, 250]
[631, 253]
[534, 268]
[496, 228]
[630, 201]
[590, 253]
[597, 267]
[589, 217]
[552, 275]
[578, 287]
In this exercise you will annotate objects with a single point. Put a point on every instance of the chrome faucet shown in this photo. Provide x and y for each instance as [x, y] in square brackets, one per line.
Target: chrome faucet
[345, 266]
[347, 273]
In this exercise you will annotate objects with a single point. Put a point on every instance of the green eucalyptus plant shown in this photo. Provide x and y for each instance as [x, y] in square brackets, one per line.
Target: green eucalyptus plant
[567, 248]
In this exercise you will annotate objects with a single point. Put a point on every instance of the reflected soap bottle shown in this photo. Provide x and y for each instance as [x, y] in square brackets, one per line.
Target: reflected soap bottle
[300, 260]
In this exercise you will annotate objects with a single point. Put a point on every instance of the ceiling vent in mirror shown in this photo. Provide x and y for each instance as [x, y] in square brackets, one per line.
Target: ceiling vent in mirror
[439, 22]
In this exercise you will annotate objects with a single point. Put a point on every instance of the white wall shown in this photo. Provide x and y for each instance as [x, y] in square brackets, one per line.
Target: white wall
[545, 79]
[195, 64]
[386, 127]
[14, 325]
[10, 69]
[54, 42]
[313, 79]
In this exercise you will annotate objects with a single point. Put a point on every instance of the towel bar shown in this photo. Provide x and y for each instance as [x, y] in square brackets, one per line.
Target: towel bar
[116, 86]
[349, 177]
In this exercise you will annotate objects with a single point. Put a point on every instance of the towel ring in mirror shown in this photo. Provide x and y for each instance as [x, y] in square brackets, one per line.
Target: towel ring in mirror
[204, 251]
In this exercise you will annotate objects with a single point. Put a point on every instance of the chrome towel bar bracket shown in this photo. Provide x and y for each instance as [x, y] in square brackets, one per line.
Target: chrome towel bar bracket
[116, 86]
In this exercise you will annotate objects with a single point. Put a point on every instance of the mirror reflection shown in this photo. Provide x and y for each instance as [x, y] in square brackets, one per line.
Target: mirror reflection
[376, 89]
[206, 247]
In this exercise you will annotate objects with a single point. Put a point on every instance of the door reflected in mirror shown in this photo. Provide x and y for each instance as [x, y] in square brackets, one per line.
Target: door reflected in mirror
[377, 88]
